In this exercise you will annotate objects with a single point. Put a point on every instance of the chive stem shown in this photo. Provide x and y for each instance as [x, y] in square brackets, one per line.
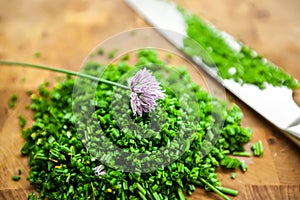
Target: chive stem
[93, 191]
[141, 189]
[214, 189]
[233, 175]
[244, 153]
[180, 194]
[16, 178]
[257, 148]
[65, 71]
[243, 166]
[229, 191]
[142, 195]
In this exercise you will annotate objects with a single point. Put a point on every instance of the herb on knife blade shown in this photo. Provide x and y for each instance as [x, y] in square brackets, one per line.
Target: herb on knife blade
[244, 65]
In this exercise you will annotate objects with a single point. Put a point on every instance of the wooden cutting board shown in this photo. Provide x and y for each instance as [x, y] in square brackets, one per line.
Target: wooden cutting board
[64, 32]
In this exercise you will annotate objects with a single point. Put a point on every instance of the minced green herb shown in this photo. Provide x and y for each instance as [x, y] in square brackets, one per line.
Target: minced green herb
[244, 153]
[244, 166]
[16, 178]
[37, 54]
[125, 57]
[22, 121]
[245, 66]
[12, 101]
[112, 53]
[257, 148]
[100, 51]
[62, 168]
[233, 175]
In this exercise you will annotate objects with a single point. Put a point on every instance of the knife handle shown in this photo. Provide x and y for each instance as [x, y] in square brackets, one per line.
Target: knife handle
[296, 96]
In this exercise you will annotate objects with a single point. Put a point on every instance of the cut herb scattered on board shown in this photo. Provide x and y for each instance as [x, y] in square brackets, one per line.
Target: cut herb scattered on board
[242, 65]
[61, 167]
[12, 101]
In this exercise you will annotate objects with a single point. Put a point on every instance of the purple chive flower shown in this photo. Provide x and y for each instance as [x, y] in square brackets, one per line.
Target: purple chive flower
[145, 90]
[99, 170]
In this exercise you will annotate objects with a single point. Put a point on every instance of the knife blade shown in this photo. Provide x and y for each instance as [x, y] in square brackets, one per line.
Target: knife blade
[275, 104]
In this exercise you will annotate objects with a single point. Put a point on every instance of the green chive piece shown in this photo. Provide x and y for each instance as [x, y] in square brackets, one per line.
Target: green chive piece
[37, 54]
[19, 171]
[243, 166]
[141, 189]
[227, 190]
[233, 175]
[180, 194]
[12, 101]
[257, 148]
[244, 153]
[213, 188]
[68, 72]
[100, 51]
[112, 53]
[16, 178]
[22, 121]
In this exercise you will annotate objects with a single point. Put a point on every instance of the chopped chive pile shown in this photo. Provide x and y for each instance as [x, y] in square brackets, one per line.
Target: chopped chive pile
[62, 168]
[244, 66]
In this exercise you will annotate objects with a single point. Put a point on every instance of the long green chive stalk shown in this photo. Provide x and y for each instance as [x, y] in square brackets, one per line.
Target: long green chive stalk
[228, 190]
[65, 71]
[213, 188]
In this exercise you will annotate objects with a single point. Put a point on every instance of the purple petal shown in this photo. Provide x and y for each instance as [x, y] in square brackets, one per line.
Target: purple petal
[145, 91]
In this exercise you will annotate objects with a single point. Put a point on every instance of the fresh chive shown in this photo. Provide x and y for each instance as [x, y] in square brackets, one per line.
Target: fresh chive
[68, 72]
[243, 166]
[244, 153]
[233, 175]
[22, 121]
[100, 51]
[227, 190]
[257, 148]
[37, 54]
[142, 196]
[112, 53]
[12, 101]
[141, 189]
[180, 194]
[239, 63]
[58, 156]
[16, 178]
[213, 188]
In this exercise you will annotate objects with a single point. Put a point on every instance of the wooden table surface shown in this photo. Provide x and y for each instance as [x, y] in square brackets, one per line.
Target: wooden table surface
[64, 32]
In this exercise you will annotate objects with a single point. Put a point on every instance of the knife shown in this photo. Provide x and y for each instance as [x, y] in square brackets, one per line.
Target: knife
[275, 104]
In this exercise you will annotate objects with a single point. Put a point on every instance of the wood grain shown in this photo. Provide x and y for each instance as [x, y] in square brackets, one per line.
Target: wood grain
[273, 192]
[64, 32]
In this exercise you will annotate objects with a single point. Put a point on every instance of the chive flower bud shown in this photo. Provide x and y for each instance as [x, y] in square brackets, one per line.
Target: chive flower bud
[145, 91]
